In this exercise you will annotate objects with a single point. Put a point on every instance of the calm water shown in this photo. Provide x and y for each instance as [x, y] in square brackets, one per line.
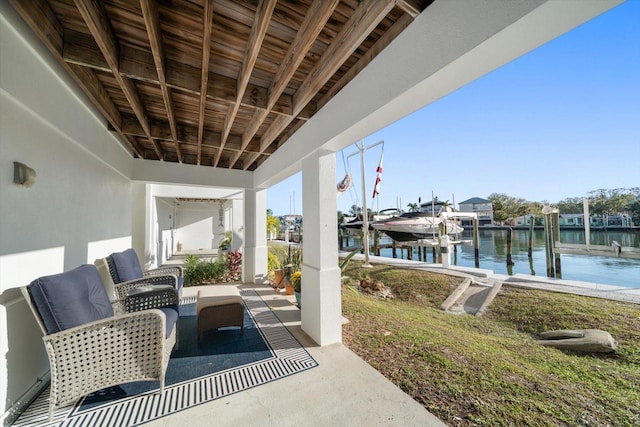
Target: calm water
[493, 248]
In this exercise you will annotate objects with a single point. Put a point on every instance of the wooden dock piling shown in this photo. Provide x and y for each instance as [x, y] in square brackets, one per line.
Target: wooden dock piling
[531, 227]
[555, 237]
[509, 258]
[548, 245]
[476, 243]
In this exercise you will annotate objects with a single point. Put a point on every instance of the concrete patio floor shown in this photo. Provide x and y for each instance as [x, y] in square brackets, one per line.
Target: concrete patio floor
[343, 390]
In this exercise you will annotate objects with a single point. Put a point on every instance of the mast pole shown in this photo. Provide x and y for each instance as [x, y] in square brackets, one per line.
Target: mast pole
[365, 216]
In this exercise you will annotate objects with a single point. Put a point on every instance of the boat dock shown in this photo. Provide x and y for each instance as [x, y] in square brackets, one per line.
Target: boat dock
[421, 244]
[615, 250]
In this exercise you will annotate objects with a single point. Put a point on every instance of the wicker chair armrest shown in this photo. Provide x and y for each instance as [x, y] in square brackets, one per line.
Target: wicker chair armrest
[175, 270]
[149, 297]
[118, 349]
[123, 289]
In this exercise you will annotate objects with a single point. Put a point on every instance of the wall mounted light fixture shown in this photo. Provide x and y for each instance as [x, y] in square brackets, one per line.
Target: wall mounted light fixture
[23, 174]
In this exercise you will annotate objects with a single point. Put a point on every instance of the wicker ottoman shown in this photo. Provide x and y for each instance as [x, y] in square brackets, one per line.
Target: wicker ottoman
[218, 306]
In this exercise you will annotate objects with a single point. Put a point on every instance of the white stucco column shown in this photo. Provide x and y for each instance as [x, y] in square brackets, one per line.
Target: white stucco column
[254, 263]
[321, 302]
[144, 224]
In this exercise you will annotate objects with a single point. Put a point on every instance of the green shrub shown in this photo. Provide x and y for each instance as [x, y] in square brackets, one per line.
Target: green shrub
[198, 271]
[273, 263]
[293, 257]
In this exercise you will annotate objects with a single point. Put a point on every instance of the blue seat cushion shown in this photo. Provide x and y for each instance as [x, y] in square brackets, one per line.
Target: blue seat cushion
[70, 299]
[171, 314]
[125, 266]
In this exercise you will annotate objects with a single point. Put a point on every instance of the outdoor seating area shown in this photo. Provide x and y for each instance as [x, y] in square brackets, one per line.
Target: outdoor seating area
[263, 350]
[93, 344]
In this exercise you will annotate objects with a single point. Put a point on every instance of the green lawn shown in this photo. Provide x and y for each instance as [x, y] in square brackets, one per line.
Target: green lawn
[489, 370]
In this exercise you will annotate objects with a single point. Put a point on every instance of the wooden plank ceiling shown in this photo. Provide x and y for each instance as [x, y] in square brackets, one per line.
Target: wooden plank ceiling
[221, 83]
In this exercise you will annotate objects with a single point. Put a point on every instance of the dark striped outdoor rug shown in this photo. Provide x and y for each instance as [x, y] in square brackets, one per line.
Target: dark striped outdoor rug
[225, 362]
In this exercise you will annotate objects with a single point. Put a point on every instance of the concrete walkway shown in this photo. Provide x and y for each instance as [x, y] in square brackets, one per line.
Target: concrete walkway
[343, 390]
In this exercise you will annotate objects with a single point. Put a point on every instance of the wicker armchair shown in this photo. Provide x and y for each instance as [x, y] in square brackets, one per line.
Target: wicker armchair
[91, 348]
[125, 266]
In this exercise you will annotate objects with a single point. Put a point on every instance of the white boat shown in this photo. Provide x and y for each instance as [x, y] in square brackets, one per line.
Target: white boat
[415, 225]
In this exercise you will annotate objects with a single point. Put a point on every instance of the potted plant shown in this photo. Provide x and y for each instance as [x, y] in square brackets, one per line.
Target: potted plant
[296, 282]
[273, 265]
[288, 287]
[291, 262]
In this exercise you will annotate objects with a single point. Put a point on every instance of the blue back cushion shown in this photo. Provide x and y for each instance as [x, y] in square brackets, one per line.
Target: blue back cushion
[125, 266]
[70, 299]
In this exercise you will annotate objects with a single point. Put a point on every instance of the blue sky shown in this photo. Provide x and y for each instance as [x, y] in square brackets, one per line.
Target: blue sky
[558, 122]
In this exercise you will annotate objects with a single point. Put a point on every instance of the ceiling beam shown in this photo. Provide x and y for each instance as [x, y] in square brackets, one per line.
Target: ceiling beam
[364, 20]
[138, 65]
[401, 24]
[187, 135]
[43, 22]
[204, 75]
[313, 23]
[152, 23]
[256, 37]
[93, 13]
[410, 7]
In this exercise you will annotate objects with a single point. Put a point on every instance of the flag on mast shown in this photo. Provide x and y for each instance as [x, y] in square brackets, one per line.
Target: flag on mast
[376, 187]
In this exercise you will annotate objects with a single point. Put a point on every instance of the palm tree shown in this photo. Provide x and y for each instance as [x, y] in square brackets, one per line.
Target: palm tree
[273, 225]
[447, 207]
[413, 207]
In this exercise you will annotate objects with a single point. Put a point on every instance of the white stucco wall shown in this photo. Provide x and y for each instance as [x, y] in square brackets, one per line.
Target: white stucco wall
[79, 208]
[196, 228]
[163, 234]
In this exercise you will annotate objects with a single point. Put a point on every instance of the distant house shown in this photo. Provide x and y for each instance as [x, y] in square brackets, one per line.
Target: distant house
[481, 207]
[571, 220]
[521, 221]
[575, 220]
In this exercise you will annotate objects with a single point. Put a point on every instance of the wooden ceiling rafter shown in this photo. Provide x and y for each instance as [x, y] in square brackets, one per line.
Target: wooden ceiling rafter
[365, 18]
[310, 28]
[136, 65]
[410, 7]
[96, 20]
[382, 43]
[42, 19]
[152, 23]
[207, 25]
[258, 32]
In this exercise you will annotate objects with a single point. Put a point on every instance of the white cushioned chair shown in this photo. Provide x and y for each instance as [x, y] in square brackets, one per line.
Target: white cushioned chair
[90, 347]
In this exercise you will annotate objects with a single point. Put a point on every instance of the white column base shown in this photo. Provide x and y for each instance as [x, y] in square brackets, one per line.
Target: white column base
[321, 305]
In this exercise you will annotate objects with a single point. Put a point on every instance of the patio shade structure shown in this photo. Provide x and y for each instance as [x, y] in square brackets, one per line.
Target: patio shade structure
[218, 83]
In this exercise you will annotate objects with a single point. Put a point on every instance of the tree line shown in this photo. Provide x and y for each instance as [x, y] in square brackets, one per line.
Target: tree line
[601, 202]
